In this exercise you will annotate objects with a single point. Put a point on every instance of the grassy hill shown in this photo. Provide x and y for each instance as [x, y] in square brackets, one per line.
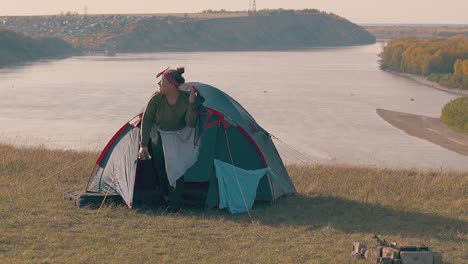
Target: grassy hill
[209, 30]
[281, 30]
[335, 206]
[18, 48]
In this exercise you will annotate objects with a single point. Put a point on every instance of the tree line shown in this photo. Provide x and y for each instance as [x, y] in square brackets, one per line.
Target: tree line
[418, 31]
[444, 60]
[18, 48]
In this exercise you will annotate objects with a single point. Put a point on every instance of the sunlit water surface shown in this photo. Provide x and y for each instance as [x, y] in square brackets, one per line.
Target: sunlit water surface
[321, 102]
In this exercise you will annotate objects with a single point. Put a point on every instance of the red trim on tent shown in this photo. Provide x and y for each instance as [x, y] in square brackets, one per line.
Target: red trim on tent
[225, 123]
[205, 126]
[243, 131]
[111, 143]
[218, 114]
[208, 123]
[138, 121]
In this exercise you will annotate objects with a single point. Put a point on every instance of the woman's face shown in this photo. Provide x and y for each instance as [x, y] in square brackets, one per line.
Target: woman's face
[165, 86]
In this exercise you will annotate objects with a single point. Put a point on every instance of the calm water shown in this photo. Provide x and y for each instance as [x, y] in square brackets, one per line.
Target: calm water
[321, 101]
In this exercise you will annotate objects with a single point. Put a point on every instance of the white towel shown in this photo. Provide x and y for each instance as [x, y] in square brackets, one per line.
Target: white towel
[180, 152]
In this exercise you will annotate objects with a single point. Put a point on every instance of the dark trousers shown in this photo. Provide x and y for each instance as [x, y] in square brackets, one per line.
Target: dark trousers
[174, 195]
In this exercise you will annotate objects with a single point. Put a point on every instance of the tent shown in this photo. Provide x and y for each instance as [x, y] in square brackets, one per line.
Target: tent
[237, 161]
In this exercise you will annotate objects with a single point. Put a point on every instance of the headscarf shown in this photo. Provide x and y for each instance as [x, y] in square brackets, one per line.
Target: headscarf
[173, 76]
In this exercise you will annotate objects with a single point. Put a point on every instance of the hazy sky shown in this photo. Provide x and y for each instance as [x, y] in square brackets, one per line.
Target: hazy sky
[358, 11]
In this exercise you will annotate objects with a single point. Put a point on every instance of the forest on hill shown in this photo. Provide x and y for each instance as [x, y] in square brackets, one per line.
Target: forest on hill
[444, 60]
[387, 32]
[276, 30]
[18, 48]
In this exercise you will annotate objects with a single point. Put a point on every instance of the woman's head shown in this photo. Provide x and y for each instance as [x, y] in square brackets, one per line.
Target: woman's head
[171, 79]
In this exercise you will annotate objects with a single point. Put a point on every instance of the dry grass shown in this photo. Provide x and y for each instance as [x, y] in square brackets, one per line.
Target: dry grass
[336, 205]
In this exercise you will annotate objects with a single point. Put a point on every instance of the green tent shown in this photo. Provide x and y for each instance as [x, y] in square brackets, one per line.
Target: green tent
[248, 165]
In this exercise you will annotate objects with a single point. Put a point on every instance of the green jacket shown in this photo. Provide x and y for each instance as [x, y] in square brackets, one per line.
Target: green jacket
[167, 117]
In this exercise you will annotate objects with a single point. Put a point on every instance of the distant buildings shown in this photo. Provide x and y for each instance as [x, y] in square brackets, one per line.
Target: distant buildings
[77, 26]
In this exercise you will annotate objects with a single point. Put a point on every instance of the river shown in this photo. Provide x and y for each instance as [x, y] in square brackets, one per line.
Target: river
[319, 101]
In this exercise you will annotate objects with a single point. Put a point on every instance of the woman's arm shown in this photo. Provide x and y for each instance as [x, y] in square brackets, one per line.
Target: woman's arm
[191, 114]
[148, 119]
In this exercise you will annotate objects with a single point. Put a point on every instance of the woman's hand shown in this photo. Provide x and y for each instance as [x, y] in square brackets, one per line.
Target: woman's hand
[143, 153]
[192, 94]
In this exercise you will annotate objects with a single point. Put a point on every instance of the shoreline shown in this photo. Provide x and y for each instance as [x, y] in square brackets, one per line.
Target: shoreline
[424, 81]
[84, 53]
[298, 164]
[427, 128]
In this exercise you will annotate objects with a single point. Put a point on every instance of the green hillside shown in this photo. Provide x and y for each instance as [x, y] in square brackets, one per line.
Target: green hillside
[282, 30]
[18, 48]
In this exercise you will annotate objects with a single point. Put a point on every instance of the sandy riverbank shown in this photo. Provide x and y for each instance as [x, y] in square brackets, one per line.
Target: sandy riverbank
[428, 128]
[424, 81]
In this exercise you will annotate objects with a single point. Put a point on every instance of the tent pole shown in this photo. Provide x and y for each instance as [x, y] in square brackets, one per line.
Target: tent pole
[103, 200]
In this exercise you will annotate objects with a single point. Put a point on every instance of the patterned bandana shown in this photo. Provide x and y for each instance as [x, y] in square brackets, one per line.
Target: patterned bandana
[168, 77]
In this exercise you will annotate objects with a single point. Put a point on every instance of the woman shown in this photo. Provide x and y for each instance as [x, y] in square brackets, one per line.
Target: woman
[169, 109]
